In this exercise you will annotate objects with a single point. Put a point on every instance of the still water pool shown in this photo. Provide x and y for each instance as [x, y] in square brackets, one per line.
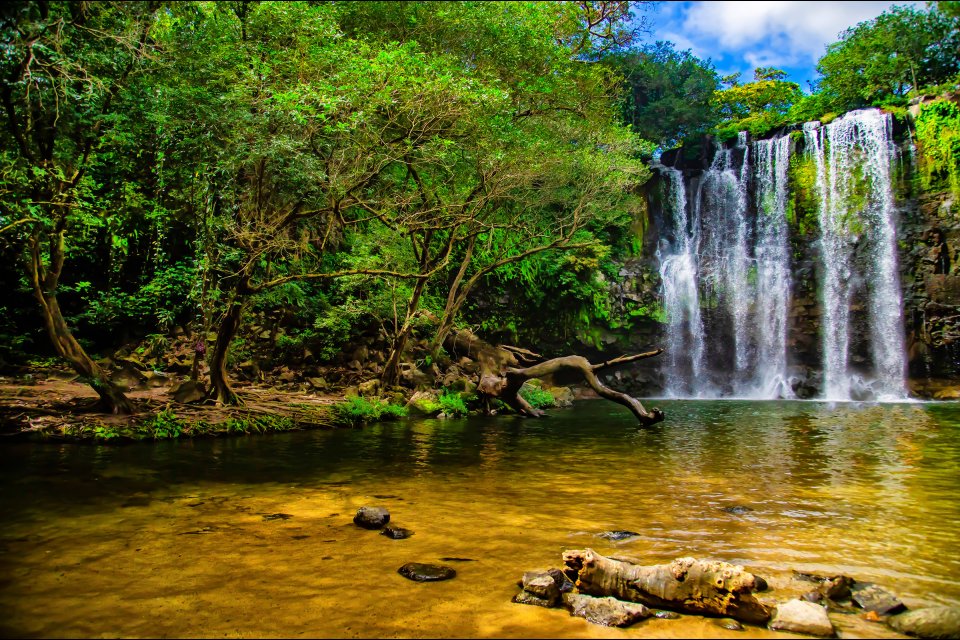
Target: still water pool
[183, 538]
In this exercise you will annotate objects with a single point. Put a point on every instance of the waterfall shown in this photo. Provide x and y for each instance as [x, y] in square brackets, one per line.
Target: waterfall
[770, 379]
[681, 300]
[724, 255]
[853, 157]
[726, 271]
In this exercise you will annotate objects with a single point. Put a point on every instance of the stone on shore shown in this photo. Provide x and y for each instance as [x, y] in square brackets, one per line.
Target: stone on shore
[931, 622]
[606, 611]
[800, 616]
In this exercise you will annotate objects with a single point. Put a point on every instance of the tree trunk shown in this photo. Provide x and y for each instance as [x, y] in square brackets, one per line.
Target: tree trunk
[502, 380]
[687, 585]
[391, 370]
[220, 388]
[44, 283]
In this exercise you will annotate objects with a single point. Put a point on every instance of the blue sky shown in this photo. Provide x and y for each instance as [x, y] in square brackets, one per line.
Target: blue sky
[739, 36]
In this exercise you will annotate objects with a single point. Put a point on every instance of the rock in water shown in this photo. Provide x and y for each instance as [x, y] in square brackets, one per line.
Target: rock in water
[728, 623]
[371, 517]
[525, 597]
[870, 597]
[932, 622]
[666, 615]
[422, 572]
[802, 617]
[606, 611]
[618, 535]
[396, 533]
[541, 584]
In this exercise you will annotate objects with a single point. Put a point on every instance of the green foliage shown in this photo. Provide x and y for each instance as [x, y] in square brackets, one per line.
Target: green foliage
[667, 93]
[938, 140]
[356, 411]
[902, 49]
[537, 397]
[163, 426]
[758, 107]
[452, 404]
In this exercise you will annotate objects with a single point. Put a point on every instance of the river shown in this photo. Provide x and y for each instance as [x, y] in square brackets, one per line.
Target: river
[253, 536]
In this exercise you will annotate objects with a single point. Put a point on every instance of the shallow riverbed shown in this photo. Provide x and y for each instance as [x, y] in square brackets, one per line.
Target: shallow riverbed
[184, 538]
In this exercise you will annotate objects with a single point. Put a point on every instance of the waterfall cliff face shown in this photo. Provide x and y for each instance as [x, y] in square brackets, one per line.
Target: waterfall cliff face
[726, 270]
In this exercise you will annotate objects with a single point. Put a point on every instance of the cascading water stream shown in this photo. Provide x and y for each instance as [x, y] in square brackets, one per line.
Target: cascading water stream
[853, 157]
[681, 300]
[724, 253]
[770, 379]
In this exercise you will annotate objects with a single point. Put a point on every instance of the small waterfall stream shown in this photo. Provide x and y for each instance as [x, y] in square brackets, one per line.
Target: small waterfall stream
[727, 278]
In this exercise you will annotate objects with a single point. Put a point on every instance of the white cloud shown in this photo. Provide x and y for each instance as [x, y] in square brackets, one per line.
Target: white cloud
[786, 31]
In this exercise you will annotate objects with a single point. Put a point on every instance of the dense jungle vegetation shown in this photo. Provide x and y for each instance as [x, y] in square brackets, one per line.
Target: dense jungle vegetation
[388, 170]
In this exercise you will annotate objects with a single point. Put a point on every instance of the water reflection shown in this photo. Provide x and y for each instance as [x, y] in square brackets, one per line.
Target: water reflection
[862, 489]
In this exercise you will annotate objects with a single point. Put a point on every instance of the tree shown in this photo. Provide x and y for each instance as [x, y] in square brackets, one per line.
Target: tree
[531, 154]
[757, 106]
[900, 50]
[64, 66]
[666, 93]
[294, 128]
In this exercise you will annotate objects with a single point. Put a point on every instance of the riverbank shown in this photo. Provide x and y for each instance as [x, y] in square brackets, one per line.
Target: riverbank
[52, 404]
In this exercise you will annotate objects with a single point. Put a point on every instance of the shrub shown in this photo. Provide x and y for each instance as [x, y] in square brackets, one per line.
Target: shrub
[452, 404]
[538, 398]
[357, 411]
[164, 425]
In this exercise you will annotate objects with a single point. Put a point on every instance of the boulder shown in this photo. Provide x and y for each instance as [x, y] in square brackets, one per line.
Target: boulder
[369, 388]
[371, 517]
[424, 403]
[871, 597]
[932, 622]
[562, 396]
[541, 584]
[800, 616]
[319, 384]
[190, 391]
[423, 572]
[606, 611]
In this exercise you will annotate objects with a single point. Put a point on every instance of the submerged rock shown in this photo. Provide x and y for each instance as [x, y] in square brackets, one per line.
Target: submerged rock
[423, 572]
[728, 623]
[396, 533]
[606, 611]
[871, 597]
[737, 510]
[932, 622]
[277, 516]
[371, 517]
[802, 617]
[618, 535]
[663, 614]
[525, 597]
